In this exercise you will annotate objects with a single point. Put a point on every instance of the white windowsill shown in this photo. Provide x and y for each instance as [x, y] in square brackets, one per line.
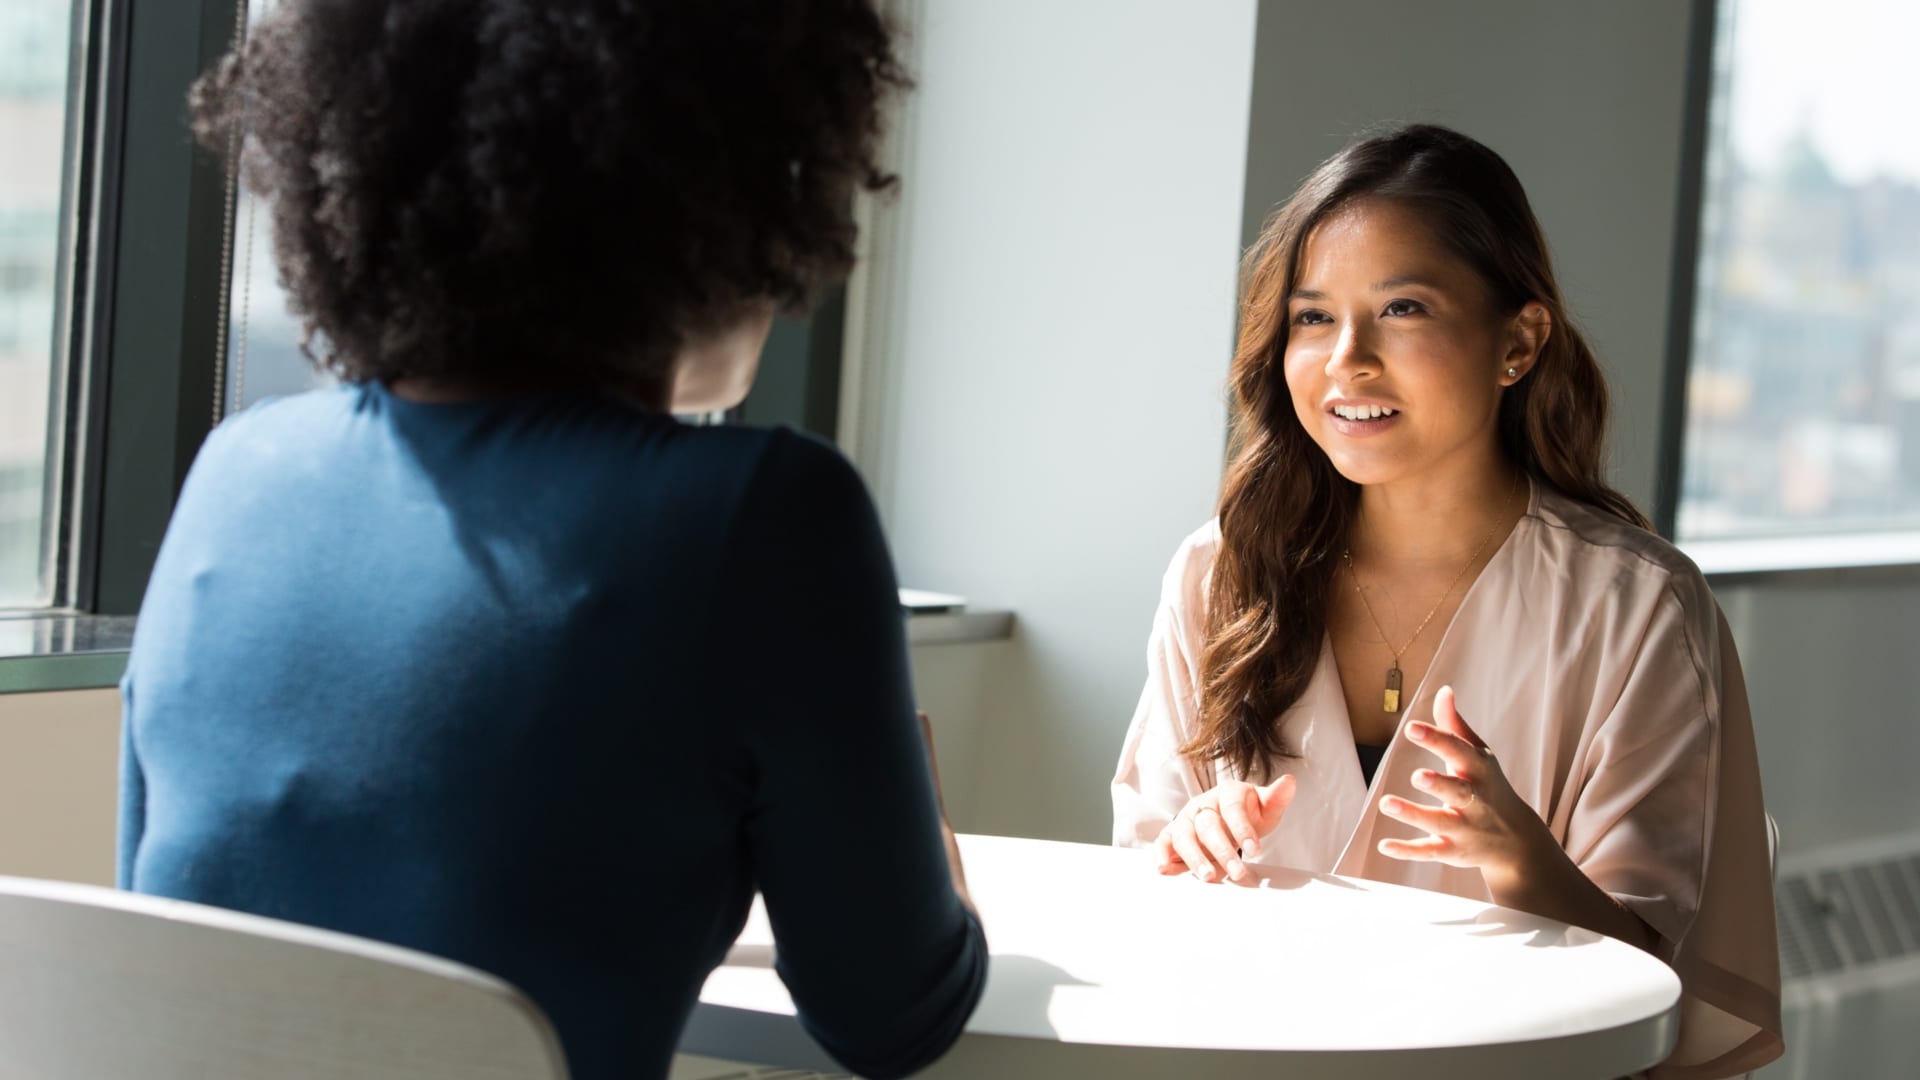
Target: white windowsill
[1735, 561]
[943, 619]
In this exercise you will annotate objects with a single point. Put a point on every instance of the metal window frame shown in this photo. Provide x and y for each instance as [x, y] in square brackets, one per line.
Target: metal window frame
[149, 278]
[1702, 25]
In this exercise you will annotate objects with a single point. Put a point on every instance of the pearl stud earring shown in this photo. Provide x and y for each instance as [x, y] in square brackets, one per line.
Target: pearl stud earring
[1513, 373]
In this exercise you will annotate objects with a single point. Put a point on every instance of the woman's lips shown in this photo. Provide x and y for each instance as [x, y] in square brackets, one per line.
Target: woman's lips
[1361, 429]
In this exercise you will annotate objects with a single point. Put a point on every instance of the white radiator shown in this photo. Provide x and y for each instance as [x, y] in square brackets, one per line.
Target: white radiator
[1850, 962]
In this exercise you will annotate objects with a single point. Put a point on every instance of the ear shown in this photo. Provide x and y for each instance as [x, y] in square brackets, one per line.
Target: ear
[1527, 334]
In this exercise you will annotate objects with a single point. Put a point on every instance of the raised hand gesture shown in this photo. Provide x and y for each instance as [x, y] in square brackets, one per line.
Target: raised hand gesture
[1481, 821]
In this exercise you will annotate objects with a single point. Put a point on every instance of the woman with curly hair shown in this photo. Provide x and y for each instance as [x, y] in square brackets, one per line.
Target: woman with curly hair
[1424, 641]
[482, 652]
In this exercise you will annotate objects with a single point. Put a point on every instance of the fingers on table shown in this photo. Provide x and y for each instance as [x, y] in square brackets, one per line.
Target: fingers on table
[1170, 860]
[1187, 845]
[1222, 845]
[1238, 816]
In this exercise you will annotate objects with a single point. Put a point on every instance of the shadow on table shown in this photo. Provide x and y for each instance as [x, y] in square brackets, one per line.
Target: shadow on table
[1495, 921]
[1546, 933]
[1023, 986]
[1286, 877]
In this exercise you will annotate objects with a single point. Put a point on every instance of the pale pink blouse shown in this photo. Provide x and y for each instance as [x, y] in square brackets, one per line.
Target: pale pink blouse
[1592, 658]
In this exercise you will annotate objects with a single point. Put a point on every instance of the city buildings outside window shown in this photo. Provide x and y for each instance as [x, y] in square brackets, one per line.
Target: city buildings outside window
[1803, 388]
[34, 83]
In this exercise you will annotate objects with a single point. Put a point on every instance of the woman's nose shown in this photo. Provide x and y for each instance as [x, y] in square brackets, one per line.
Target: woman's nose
[1352, 356]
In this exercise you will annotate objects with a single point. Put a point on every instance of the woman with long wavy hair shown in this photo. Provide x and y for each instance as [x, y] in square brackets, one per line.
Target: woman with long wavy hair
[1424, 641]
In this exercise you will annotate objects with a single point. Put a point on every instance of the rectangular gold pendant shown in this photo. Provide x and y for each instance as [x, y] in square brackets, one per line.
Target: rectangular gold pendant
[1392, 703]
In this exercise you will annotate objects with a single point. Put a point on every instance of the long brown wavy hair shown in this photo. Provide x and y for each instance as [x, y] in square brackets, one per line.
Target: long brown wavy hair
[1284, 510]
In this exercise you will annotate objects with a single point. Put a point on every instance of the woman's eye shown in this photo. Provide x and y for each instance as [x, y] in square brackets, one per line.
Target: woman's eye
[1310, 317]
[1403, 307]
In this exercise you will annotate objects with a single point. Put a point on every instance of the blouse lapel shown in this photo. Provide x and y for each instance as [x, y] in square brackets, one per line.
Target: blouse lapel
[1453, 664]
[1327, 771]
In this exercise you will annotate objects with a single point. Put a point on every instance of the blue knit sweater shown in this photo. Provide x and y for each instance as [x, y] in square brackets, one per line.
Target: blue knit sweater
[549, 685]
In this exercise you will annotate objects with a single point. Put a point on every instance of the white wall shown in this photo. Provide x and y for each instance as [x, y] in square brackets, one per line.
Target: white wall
[1830, 667]
[1045, 368]
[59, 784]
[1584, 100]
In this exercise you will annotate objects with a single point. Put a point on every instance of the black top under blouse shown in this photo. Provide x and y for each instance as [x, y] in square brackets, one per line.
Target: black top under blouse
[1369, 760]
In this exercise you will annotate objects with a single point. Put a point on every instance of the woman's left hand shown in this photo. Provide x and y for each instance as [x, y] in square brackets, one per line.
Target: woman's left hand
[1481, 822]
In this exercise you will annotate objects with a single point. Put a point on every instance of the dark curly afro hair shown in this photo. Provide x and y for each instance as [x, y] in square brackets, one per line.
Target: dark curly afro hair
[497, 187]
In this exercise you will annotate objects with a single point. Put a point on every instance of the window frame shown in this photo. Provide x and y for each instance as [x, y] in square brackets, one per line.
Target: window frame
[145, 281]
[1703, 26]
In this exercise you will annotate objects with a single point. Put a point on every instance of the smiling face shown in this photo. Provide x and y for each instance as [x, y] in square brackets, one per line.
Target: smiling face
[1395, 359]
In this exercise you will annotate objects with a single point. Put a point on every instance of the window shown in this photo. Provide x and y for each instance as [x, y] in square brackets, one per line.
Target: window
[263, 337]
[111, 233]
[263, 357]
[34, 107]
[1803, 386]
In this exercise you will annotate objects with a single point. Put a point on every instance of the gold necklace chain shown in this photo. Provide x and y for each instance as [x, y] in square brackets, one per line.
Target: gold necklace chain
[1391, 697]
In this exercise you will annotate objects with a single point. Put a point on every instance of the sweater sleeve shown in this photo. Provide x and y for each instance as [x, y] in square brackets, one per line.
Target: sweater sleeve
[884, 962]
[133, 794]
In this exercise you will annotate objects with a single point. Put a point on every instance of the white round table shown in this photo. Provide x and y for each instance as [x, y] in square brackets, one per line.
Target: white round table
[1102, 967]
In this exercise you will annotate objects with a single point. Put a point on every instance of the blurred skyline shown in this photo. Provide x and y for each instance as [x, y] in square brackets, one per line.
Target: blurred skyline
[1841, 75]
[1804, 378]
[33, 89]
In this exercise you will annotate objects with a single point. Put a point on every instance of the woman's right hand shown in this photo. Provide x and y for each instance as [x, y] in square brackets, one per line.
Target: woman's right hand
[1220, 827]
